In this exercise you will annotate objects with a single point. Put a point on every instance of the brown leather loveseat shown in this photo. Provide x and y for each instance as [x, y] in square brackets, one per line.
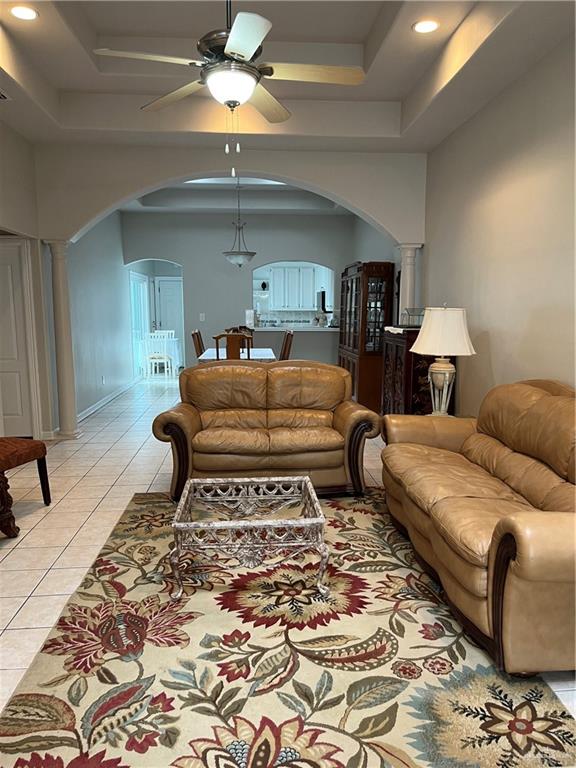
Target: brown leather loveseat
[490, 509]
[295, 417]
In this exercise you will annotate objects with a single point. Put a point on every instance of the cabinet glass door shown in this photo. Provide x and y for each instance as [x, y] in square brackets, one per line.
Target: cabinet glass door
[376, 290]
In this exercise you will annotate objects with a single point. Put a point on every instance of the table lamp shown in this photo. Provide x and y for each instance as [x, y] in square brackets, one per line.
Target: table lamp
[444, 334]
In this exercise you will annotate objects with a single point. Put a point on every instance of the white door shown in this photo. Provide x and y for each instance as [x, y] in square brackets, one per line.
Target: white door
[307, 288]
[292, 287]
[170, 312]
[140, 311]
[14, 362]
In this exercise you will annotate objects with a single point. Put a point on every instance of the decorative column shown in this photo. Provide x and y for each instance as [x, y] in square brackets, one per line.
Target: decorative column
[408, 252]
[63, 341]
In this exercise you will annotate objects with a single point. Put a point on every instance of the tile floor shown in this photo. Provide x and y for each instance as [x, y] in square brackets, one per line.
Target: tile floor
[92, 479]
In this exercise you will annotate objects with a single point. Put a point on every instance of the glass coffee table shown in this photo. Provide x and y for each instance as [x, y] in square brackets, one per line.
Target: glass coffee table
[250, 519]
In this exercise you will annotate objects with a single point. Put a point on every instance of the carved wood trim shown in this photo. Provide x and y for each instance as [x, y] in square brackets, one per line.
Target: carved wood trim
[7, 523]
[355, 456]
[505, 553]
[180, 469]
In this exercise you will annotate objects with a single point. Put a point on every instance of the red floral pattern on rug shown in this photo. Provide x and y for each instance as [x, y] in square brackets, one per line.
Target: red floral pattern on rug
[288, 595]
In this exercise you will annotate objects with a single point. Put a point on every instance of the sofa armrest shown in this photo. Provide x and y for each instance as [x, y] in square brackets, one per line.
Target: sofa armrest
[355, 423]
[178, 426]
[349, 414]
[540, 545]
[436, 431]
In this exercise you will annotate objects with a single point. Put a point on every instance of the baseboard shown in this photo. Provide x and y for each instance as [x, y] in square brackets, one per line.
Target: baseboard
[105, 400]
[48, 434]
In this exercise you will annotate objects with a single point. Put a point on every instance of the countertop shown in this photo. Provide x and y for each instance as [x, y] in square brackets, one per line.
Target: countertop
[298, 329]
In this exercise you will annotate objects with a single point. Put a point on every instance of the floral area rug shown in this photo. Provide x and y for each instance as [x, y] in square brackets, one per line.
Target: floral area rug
[256, 669]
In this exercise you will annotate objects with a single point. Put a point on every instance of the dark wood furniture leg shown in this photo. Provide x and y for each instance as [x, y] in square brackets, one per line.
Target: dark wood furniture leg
[44, 484]
[7, 523]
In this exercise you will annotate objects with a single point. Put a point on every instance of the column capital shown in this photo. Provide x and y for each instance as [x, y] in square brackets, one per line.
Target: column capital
[409, 246]
[58, 248]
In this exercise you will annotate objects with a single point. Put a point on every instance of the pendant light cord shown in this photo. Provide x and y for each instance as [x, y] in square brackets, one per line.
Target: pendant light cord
[228, 15]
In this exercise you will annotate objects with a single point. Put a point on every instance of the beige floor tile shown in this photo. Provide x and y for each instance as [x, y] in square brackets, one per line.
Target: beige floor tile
[19, 646]
[30, 559]
[36, 495]
[92, 492]
[60, 581]
[9, 607]
[76, 557]
[19, 583]
[20, 481]
[7, 544]
[93, 537]
[46, 537]
[40, 611]
[71, 521]
[74, 506]
[8, 683]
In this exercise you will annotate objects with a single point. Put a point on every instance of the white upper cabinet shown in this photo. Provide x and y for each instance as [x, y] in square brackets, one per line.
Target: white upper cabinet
[292, 286]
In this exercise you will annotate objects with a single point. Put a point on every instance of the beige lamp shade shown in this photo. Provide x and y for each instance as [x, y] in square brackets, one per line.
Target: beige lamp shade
[444, 333]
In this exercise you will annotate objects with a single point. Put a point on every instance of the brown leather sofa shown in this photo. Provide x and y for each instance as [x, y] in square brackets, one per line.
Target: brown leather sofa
[490, 510]
[294, 417]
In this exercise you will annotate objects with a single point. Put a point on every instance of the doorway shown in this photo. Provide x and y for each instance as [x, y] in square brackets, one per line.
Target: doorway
[140, 317]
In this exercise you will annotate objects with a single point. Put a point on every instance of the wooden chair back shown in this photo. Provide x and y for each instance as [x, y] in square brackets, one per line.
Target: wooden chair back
[286, 345]
[199, 347]
[235, 342]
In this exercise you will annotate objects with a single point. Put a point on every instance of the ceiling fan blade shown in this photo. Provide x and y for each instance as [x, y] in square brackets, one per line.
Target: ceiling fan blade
[246, 35]
[268, 105]
[315, 73]
[147, 57]
[173, 96]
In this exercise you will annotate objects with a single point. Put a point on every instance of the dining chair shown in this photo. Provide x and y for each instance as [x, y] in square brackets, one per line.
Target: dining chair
[286, 345]
[235, 342]
[156, 345]
[241, 329]
[198, 342]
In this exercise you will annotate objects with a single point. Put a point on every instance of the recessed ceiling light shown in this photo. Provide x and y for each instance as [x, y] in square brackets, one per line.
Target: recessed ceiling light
[24, 12]
[425, 26]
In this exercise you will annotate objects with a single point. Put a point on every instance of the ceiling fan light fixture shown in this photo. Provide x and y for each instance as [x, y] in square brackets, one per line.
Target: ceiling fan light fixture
[24, 12]
[231, 83]
[425, 26]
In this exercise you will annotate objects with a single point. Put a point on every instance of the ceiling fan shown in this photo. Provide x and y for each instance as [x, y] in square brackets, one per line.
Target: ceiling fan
[228, 68]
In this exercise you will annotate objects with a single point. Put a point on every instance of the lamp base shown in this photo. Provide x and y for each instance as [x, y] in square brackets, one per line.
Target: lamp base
[441, 375]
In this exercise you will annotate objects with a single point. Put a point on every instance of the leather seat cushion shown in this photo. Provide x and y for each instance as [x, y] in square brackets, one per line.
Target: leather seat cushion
[467, 525]
[305, 440]
[429, 475]
[237, 441]
[298, 417]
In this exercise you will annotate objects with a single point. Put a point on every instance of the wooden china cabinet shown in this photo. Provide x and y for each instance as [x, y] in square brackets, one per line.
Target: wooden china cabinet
[366, 297]
[405, 387]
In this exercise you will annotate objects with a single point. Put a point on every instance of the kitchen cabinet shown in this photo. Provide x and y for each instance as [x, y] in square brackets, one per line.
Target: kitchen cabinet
[292, 286]
[308, 287]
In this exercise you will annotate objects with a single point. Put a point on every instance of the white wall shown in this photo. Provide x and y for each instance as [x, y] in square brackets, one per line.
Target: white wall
[500, 231]
[17, 184]
[100, 308]
[214, 286]
[79, 184]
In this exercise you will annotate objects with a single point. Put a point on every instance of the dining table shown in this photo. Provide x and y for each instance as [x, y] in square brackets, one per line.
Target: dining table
[259, 354]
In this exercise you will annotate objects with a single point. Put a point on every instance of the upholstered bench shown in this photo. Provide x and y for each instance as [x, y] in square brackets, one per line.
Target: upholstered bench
[15, 451]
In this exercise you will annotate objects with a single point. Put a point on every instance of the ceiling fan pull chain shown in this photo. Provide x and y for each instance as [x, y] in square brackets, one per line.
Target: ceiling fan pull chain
[237, 131]
[227, 145]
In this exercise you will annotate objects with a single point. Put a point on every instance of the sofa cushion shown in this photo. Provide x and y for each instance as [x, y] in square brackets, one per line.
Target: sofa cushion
[430, 474]
[238, 441]
[283, 464]
[531, 420]
[536, 482]
[222, 387]
[298, 417]
[240, 418]
[305, 440]
[315, 387]
[467, 525]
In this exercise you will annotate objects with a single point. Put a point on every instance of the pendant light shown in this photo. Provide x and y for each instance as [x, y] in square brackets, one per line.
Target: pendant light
[239, 253]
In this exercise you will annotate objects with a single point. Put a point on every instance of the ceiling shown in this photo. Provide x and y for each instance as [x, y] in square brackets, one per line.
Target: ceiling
[417, 90]
[219, 195]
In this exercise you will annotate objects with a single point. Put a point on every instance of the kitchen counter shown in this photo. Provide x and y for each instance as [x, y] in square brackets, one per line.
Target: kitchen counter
[298, 329]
